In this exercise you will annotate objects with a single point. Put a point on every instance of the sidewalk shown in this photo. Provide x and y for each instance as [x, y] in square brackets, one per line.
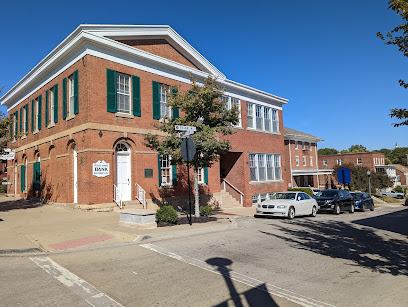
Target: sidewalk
[28, 226]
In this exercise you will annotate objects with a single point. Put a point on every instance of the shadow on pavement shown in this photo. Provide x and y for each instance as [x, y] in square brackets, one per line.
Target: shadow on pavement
[341, 240]
[258, 296]
[395, 222]
[19, 204]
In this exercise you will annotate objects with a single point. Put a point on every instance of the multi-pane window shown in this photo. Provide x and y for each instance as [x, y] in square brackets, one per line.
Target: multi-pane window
[359, 161]
[164, 98]
[297, 161]
[266, 118]
[296, 145]
[71, 95]
[265, 167]
[303, 145]
[24, 119]
[255, 200]
[311, 161]
[37, 115]
[231, 102]
[166, 168]
[51, 102]
[304, 161]
[324, 162]
[200, 173]
[122, 93]
[339, 161]
[310, 146]
[250, 114]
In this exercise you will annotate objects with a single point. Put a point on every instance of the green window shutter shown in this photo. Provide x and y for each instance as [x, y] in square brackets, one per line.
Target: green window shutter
[76, 96]
[32, 115]
[136, 96]
[46, 108]
[111, 90]
[156, 100]
[26, 117]
[39, 111]
[37, 176]
[22, 182]
[56, 103]
[206, 175]
[64, 98]
[21, 119]
[174, 175]
[11, 126]
[175, 109]
[159, 160]
[16, 132]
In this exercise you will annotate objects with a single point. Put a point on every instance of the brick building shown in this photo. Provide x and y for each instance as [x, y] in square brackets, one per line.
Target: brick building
[94, 98]
[303, 160]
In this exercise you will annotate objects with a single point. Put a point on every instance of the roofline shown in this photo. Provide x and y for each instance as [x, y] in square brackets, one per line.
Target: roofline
[88, 33]
[291, 136]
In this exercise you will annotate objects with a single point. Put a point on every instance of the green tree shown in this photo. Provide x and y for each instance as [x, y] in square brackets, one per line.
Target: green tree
[327, 151]
[359, 178]
[203, 108]
[399, 37]
[4, 129]
[357, 148]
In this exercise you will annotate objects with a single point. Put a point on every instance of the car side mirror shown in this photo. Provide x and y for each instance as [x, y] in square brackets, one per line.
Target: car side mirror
[298, 198]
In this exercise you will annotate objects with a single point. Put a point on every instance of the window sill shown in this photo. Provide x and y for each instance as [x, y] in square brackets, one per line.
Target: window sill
[124, 115]
[36, 132]
[266, 181]
[51, 126]
[70, 117]
[257, 130]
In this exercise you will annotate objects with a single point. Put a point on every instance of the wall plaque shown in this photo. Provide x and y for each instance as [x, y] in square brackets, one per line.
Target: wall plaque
[148, 173]
[100, 169]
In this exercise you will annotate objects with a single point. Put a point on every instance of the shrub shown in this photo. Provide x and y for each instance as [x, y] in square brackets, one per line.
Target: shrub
[167, 214]
[306, 190]
[206, 211]
[399, 189]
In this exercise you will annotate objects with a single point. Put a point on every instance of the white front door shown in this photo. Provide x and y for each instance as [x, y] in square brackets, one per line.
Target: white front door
[123, 175]
[75, 175]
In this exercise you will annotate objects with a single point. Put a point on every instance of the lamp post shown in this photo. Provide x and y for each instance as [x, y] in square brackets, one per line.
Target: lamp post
[369, 182]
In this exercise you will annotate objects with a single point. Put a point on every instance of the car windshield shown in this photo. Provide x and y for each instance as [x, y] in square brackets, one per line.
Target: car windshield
[327, 193]
[284, 196]
[357, 195]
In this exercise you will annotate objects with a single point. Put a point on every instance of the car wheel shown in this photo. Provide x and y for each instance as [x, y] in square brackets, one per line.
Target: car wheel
[372, 207]
[314, 211]
[336, 209]
[291, 213]
[362, 207]
[352, 208]
[399, 197]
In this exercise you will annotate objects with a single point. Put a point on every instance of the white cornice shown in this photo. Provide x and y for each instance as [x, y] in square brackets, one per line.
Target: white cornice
[298, 137]
[91, 40]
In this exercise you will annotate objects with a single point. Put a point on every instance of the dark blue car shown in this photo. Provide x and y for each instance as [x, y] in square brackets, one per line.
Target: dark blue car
[363, 201]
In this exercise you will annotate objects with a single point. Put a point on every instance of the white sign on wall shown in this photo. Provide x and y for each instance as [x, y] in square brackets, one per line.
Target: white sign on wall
[100, 169]
[9, 156]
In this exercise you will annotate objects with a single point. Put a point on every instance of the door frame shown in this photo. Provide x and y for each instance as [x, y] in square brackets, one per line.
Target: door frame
[75, 179]
[127, 154]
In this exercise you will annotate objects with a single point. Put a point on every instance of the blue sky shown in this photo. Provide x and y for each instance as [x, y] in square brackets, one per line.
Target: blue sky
[324, 56]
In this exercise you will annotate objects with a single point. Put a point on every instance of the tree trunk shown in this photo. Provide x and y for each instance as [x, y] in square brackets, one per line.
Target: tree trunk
[196, 194]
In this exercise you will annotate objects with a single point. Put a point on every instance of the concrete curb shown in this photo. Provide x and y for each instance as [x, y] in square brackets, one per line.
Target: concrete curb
[22, 252]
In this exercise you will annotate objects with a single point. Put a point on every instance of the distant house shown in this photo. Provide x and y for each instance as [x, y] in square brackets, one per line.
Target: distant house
[401, 174]
[303, 160]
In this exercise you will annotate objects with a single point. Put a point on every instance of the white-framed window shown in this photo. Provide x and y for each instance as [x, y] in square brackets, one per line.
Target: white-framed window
[275, 120]
[255, 199]
[303, 145]
[324, 162]
[164, 98]
[359, 161]
[51, 102]
[24, 119]
[231, 102]
[304, 161]
[123, 93]
[267, 119]
[310, 146]
[36, 117]
[200, 173]
[296, 144]
[297, 160]
[265, 167]
[259, 117]
[250, 114]
[14, 126]
[166, 170]
[71, 95]
[339, 161]
[311, 161]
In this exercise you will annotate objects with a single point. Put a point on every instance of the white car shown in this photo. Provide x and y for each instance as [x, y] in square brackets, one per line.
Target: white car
[288, 204]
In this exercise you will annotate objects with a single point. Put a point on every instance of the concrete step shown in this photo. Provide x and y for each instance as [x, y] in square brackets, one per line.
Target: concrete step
[228, 201]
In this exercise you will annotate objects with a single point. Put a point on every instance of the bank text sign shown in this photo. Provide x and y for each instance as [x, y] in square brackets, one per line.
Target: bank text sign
[100, 169]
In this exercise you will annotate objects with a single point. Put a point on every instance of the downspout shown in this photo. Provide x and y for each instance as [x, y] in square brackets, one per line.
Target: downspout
[290, 164]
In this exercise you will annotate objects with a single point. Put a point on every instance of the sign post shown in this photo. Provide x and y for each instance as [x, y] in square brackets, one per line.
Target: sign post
[188, 151]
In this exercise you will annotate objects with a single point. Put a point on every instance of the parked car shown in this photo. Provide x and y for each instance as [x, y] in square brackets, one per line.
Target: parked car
[335, 201]
[315, 191]
[394, 194]
[362, 201]
[406, 202]
[288, 204]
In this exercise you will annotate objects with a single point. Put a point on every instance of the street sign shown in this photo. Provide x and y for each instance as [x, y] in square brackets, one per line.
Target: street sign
[185, 128]
[6, 183]
[9, 156]
[185, 134]
[188, 149]
[344, 175]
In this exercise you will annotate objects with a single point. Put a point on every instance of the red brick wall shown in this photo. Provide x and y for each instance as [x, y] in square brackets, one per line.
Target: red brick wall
[366, 158]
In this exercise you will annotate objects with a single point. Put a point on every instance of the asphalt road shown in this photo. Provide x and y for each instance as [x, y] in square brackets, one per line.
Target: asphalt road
[348, 260]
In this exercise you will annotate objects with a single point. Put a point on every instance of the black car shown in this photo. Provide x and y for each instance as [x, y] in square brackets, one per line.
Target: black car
[406, 202]
[335, 201]
[363, 201]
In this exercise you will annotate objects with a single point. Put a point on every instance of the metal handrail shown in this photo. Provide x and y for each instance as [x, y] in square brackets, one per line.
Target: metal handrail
[242, 194]
[141, 195]
[117, 196]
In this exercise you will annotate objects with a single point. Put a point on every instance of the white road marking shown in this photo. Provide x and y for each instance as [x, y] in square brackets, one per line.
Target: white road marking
[79, 286]
[274, 290]
[135, 273]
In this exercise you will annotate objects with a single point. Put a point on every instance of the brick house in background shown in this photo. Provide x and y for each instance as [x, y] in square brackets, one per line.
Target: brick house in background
[401, 174]
[97, 94]
[303, 160]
